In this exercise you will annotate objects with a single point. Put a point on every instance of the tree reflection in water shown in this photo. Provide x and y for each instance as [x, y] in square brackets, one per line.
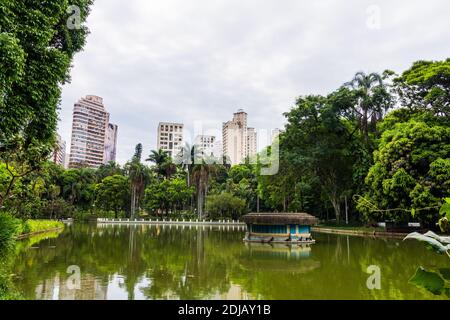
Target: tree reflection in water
[171, 262]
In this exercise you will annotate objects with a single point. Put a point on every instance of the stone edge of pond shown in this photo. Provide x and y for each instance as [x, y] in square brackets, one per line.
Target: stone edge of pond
[28, 235]
[362, 233]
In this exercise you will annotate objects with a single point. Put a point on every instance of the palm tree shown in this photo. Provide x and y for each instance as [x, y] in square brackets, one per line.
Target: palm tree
[367, 110]
[188, 156]
[201, 173]
[158, 157]
[164, 165]
[138, 175]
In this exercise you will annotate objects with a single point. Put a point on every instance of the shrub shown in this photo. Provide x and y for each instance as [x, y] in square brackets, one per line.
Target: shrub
[9, 228]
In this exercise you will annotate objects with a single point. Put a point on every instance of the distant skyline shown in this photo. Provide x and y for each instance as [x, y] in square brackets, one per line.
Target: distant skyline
[191, 61]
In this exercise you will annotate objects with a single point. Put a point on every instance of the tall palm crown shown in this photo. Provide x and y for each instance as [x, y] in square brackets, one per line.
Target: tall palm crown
[188, 157]
[164, 165]
[158, 157]
[368, 110]
[366, 82]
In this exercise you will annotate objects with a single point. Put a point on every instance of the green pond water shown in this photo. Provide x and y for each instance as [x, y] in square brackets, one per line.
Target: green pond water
[162, 262]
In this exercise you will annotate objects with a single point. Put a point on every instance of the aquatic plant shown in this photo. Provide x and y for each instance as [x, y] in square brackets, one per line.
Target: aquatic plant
[436, 281]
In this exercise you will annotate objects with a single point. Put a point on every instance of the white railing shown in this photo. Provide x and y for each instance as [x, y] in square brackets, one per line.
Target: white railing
[170, 221]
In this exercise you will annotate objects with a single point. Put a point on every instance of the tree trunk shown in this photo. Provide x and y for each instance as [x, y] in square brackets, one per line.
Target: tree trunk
[346, 210]
[133, 202]
[337, 209]
[7, 192]
[188, 178]
[200, 204]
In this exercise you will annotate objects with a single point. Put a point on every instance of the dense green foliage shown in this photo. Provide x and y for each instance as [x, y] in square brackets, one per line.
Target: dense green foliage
[9, 228]
[225, 205]
[411, 170]
[167, 196]
[113, 194]
[426, 86]
[411, 173]
[37, 46]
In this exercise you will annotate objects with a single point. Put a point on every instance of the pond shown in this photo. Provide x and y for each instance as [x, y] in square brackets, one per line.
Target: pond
[169, 262]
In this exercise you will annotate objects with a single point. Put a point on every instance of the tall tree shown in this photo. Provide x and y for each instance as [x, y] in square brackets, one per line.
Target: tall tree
[138, 176]
[318, 145]
[188, 156]
[372, 100]
[201, 173]
[37, 45]
[113, 194]
[163, 163]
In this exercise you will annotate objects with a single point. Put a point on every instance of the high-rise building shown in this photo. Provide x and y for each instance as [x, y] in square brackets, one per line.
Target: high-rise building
[90, 129]
[207, 145]
[237, 143]
[170, 137]
[111, 143]
[252, 142]
[59, 153]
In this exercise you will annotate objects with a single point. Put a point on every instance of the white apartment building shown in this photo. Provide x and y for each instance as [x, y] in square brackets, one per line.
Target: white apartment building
[90, 129]
[170, 137]
[237, 144]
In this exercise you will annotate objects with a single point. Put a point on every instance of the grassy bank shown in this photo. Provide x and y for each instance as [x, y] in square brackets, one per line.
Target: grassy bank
[12, 228]
[37, 226]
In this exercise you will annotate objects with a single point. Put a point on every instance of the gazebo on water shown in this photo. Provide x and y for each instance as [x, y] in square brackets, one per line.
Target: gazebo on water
[287, 228]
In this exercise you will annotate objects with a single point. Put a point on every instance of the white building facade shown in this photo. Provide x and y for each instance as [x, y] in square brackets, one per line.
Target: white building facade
[239, 142]
[170, 137]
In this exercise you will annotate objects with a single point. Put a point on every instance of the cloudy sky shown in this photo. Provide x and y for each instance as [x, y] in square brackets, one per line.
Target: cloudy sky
[198, 61]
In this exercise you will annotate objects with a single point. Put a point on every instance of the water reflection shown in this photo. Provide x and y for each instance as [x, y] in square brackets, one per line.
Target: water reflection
[279, 257]
[190, 262]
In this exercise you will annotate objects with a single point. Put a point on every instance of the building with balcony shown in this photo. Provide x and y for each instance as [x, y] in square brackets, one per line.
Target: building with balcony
[93, 137]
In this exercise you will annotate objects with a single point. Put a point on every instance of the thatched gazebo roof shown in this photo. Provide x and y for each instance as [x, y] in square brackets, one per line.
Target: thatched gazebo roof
[280, 218]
